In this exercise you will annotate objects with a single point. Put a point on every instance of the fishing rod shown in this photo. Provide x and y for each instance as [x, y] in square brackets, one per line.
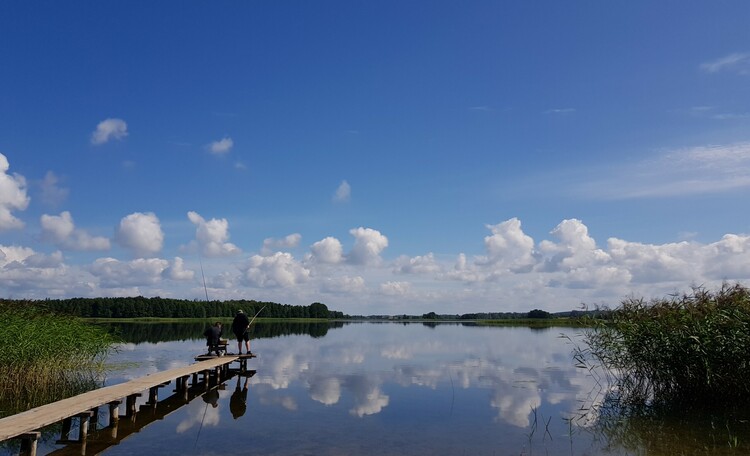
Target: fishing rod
[203, 275]
[256, 316]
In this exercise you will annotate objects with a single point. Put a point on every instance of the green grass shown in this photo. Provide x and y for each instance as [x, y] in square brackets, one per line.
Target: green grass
[46, 357]
[690, 349]
[538, 322]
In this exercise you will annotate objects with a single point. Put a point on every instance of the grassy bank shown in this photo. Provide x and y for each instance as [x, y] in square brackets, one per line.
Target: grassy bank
[539, 322]
[685, 349]
[45, 357]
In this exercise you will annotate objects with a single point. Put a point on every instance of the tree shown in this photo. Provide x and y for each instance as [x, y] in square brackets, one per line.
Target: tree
[536, 313]
[318, 310]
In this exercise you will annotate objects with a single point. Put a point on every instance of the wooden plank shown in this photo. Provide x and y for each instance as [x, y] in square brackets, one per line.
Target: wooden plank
[37, 418]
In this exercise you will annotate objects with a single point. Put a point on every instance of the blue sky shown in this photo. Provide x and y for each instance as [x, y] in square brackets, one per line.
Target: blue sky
[381, 157]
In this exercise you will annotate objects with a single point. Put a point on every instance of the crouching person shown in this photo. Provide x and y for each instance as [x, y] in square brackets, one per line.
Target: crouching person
[213, 337]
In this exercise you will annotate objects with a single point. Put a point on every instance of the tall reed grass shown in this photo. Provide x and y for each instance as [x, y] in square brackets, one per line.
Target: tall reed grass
[689, 349]
[45, 357]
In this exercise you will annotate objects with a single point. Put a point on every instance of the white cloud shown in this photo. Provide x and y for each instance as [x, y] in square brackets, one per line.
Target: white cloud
[277, 270]
[109, 129]
[392, 288]
[271, 245]
[221, 146]
[12, 196]
[418, 265]
[560, 111]
[368, 244]
[52, 193]
[17, 257]
[738, 61]
[141, 233]
[328, 250]
[60, 229]
[30, 274]
[113, 273]
[212, 236]
[344, 284]
[177, 271]
[689, 171]
[343, 193]
[509, 247]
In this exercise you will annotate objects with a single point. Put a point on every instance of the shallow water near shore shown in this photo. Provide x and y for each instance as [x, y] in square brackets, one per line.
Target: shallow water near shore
[394, 389]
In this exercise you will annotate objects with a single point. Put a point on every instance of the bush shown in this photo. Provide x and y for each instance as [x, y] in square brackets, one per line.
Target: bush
[689, 348]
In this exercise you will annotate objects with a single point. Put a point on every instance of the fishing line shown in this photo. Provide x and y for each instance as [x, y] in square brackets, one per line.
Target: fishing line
[206, 409]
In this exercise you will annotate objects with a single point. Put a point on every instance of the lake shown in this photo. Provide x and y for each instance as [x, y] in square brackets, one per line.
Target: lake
[399, 389]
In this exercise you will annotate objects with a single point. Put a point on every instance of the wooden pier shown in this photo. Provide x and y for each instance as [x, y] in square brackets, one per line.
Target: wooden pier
[85, 407]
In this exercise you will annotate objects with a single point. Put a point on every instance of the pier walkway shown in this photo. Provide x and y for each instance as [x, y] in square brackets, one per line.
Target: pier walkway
[26, 425]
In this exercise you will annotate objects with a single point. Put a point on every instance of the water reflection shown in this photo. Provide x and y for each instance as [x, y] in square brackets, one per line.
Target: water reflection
[408, 389]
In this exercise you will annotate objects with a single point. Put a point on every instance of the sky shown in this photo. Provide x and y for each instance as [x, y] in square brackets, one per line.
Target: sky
[381, 157]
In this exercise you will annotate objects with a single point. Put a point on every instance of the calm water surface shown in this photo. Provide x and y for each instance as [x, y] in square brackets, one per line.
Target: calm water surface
[395, 389]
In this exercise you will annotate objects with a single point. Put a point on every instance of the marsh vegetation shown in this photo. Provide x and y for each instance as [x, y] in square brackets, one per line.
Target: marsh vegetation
[45, 357]
[686, 350]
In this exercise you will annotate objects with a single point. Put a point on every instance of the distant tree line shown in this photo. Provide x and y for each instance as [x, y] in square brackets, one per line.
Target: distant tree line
[533, 314]
[141, 307]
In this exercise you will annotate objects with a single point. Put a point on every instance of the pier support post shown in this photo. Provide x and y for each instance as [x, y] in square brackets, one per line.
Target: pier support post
[114, 412]
[130, 409]
[28, 443]
[95, 417]
[83, 426]
[66, 424]
[153, 395]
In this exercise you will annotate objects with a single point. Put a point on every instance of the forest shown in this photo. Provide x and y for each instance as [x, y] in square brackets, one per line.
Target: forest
[156, 307]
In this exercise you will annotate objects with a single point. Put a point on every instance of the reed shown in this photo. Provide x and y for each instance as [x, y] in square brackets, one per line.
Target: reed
[45, 357]
[688, 349]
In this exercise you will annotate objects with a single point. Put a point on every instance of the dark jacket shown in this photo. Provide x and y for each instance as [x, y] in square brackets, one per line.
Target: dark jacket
[240, 324]
[213, 335]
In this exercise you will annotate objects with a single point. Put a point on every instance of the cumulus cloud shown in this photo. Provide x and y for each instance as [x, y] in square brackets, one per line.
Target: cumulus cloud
[395, 288]
[343, 193]
[271, 245]
[12, 196]
[212, 236]
[737, 61]
[425, 264]
[277, 270]
[177, 271]
[61, 230]
[51, 193]
[18, 257]
[368, 244]
[113, 273]
[109, 129]
[221, 146]
[509, 246]
[344, 284]
[328, 250]
[141, 233]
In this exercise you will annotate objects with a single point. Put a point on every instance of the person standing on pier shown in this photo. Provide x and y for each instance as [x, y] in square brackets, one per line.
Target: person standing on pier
[240, 327]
